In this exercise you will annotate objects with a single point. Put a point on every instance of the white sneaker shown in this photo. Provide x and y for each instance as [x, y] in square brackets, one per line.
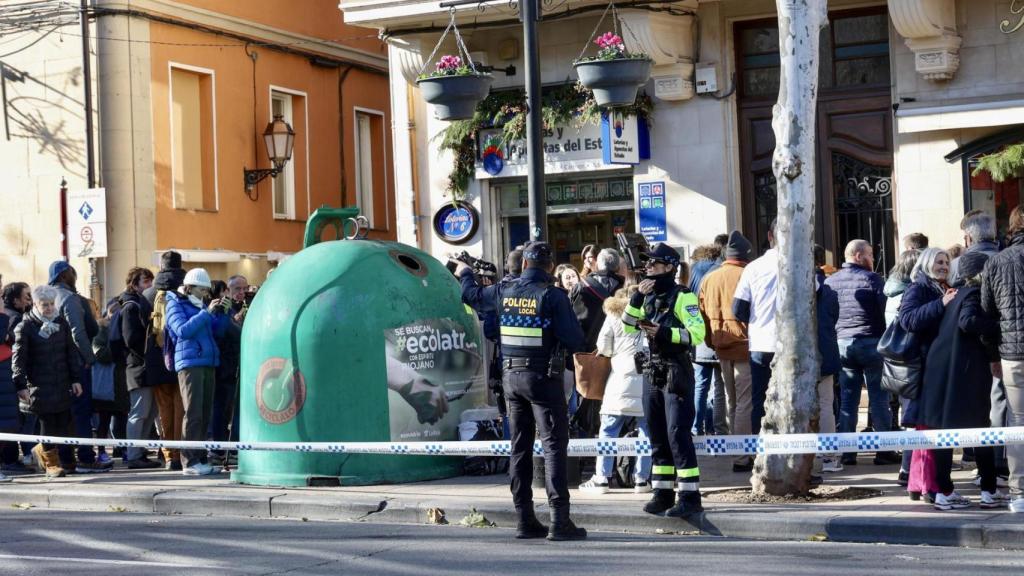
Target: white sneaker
[596, 485]
[1017, 504]
[4, 478]
[997, 499]
[28, 460]
[201, 470]
[952, 502]
[642, 487]
[831, 465]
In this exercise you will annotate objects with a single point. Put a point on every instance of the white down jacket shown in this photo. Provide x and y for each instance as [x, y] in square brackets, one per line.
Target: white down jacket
[624, 393]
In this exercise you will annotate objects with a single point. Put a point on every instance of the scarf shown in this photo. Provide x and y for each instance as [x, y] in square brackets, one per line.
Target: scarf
[49, 328]
[194, 300]
[663, 282]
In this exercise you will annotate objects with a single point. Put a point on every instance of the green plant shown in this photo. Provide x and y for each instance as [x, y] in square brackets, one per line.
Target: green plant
[1003, 165]
[563, 105]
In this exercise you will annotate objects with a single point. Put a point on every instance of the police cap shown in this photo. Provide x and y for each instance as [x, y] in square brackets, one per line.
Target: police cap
[663, 253]
[539, 252]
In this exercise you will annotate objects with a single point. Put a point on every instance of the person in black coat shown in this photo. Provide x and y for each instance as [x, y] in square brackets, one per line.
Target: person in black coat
[47, 367]
[958, 379]
[17, 299]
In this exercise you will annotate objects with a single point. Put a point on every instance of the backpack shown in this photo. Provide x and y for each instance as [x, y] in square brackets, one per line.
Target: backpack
[169, 343]
[158, 319]
[115, 335]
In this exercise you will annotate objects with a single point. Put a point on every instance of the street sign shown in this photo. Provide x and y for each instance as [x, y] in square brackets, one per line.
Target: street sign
[87, 223]
[651, 211]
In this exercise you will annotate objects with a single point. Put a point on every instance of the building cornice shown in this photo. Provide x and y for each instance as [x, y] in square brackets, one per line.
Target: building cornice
[247, 28]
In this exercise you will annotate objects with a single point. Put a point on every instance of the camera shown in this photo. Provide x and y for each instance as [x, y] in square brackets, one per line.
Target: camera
[631, 246]
[482, 269]
[650, 366]
[225, 304]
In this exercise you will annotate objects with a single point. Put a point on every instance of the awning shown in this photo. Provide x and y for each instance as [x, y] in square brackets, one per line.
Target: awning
[956, 114]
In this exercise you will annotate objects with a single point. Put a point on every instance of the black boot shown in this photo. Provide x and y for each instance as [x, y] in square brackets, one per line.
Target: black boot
[562, 528]
[528, 525]
[662, 501]
[687, 506]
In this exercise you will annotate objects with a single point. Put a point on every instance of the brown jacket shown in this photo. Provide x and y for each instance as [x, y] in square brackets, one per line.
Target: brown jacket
[726, 335]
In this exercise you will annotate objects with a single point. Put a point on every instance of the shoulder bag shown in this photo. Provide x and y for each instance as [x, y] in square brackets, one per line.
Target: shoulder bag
[902, 356]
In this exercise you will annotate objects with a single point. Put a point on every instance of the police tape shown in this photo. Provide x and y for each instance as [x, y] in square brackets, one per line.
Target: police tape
[706, 445]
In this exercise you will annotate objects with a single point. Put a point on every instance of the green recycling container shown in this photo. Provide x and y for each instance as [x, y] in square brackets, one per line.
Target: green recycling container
[356, 340]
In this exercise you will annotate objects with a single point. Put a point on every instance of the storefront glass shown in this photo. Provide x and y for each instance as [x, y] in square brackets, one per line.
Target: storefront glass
[581, 210]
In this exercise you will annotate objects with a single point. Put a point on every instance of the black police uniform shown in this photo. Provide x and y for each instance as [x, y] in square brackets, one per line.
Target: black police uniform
[533, 316]
[669, 375]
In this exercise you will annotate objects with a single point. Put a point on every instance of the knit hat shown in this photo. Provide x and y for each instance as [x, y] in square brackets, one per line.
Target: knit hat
[170, 260]
[57, 268]
[971, 264]
[198, 277]
[738, 248]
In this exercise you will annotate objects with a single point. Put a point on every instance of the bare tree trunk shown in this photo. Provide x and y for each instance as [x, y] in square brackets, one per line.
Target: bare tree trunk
[792, 402]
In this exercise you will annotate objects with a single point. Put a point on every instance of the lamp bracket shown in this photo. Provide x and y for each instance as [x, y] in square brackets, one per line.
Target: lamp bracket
[253, 177]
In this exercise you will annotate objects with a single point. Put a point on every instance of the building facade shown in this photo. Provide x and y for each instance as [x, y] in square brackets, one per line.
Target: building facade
[181, 94]
[911, 93]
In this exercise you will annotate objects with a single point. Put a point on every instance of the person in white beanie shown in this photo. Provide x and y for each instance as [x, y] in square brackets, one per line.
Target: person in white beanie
[191, 332]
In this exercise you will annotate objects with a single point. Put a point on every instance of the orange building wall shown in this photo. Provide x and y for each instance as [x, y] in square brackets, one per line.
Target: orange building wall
[316, 18]
[240, 224]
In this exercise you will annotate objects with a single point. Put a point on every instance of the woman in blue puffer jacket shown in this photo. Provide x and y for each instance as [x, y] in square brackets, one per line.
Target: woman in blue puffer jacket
[194, 326]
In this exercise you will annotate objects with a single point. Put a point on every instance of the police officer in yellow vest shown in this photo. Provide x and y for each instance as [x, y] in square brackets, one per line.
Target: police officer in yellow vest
[534, 318]
[669, 316]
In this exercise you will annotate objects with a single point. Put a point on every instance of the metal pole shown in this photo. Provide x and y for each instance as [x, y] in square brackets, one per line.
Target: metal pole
[530, 15]
[90, 151]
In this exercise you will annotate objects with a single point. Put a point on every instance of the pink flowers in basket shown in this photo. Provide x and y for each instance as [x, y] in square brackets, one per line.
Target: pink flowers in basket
[612, 48]
[610, 40]
[449, 64]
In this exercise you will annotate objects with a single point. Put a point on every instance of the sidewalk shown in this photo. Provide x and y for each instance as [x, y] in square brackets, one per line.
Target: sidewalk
[888, 517]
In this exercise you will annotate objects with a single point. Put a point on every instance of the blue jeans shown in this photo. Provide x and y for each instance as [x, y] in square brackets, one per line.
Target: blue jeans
[760, 376]
[862, 364]
[610, 428]
[81, 416]
[706, 377]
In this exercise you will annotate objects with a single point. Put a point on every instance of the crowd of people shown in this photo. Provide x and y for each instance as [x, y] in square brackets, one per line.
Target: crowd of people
[963, 307]
[160, 360]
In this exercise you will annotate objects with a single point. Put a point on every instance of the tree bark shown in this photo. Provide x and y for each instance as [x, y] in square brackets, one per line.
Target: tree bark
[791, 406]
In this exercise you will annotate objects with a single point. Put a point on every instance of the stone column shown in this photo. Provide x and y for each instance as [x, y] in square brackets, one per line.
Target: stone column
[125, 142]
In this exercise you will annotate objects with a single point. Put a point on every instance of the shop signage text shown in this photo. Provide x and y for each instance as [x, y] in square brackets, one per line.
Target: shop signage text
[566, 149]
[456, 222]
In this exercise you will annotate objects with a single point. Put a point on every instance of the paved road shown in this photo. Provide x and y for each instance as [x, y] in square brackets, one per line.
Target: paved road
[37, 542]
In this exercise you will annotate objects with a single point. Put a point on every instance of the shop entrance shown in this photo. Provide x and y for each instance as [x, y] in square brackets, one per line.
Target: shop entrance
[581, 210]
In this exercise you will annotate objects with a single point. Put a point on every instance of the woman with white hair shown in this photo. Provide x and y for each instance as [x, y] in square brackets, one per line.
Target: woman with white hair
[921, 311]
[47, 367]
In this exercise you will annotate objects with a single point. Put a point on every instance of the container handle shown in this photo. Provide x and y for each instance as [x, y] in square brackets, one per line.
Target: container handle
[347, 224]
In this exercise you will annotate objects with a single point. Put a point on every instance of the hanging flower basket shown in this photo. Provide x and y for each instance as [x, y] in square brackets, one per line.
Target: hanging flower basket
[614, 75]
[454, 88]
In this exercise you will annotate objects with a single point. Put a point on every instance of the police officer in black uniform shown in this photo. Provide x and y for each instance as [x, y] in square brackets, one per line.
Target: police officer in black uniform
[669, 316]
[535, 318]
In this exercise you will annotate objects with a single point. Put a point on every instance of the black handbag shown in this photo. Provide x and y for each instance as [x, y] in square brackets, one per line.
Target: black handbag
[902, 356]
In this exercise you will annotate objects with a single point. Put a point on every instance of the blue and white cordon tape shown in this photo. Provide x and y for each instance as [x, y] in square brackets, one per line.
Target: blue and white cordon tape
[706, 445]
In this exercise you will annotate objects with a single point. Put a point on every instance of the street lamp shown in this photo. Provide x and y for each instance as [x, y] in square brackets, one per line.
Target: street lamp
[279, 138]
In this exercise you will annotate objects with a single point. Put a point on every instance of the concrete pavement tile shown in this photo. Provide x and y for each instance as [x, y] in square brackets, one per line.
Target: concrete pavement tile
[760, 526]
[214, 503]
[935, 531]
[103, 498]
[36, 494]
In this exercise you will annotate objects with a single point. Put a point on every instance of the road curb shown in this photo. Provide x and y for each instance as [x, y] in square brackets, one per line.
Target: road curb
[732, 523]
